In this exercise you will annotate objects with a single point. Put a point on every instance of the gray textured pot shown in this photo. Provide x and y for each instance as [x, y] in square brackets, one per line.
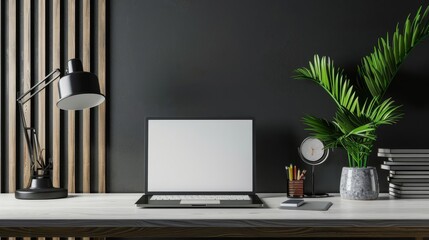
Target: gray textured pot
[359, 183]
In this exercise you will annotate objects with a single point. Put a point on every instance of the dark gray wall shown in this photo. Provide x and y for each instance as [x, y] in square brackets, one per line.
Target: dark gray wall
[223, 58]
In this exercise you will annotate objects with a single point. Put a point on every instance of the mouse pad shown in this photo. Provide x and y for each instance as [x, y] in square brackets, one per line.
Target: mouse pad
[312, 206]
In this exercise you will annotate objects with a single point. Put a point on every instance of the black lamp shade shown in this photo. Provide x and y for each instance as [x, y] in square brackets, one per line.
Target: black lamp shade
[78, 89]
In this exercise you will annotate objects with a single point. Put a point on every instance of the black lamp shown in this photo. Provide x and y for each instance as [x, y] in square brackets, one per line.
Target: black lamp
[78, 90]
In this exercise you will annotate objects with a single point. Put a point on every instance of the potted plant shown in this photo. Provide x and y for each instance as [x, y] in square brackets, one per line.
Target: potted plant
[361, 105]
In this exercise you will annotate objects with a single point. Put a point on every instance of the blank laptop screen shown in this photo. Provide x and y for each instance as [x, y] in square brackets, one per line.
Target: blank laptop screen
[199, 155]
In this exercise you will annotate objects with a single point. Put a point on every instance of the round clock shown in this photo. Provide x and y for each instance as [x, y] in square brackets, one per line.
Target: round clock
[312, 151]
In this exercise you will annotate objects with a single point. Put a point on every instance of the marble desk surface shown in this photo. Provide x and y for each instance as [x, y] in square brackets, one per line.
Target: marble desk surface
[117, 209]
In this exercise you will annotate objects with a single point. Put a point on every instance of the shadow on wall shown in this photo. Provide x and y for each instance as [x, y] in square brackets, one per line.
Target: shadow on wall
[274, 149]
[410, 89]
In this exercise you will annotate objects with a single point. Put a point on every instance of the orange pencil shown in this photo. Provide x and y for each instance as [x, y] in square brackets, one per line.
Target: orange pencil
[294, 173]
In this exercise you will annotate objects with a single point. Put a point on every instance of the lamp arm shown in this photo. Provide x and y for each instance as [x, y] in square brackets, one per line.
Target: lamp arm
[30, 134]
[20, 99]
[28, 139]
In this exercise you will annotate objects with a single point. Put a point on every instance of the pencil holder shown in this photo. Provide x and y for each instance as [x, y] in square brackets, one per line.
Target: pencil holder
[295, 188]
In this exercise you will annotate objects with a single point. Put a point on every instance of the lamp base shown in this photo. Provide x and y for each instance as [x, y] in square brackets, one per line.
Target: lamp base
[41, 188]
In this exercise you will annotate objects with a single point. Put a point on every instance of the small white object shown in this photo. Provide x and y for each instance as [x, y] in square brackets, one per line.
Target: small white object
[292, 203]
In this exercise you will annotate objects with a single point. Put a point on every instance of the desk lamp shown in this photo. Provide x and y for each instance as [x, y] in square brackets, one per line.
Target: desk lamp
[78, 90]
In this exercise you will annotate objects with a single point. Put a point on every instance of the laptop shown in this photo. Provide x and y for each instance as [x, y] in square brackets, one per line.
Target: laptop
[193, 163]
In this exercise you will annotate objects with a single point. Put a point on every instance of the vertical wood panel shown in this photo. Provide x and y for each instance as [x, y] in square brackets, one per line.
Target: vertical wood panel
[102, 108]
[86, 37]
[55, 95]
[26, 84]
[1, 96]
[41, 61]
[56, 132]
[8, 103]
[11, 92]
[71, 51]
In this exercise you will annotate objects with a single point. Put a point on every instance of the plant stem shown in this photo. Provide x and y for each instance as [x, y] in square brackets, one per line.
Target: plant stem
[348, 157]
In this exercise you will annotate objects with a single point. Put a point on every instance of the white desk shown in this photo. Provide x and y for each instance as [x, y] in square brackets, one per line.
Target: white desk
[116, 215]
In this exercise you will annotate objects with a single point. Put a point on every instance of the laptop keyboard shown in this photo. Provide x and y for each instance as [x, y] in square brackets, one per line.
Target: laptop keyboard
[200, 197]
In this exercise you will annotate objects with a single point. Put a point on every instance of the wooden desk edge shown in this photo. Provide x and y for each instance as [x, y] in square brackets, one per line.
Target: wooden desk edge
[417, 232]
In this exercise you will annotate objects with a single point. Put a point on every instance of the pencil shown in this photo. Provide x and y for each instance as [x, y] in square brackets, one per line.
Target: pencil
[298, 175]
[294, 172]
[302, 176]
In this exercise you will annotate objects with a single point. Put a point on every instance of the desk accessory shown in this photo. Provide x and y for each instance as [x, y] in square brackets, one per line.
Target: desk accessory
[408, 172]
[295, 188]
[311, 206]
[361, 103]
[78, 90]
[292, 203]
[313, 152]
[295, 182]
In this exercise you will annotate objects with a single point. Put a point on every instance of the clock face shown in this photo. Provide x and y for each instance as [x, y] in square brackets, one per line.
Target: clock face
[312, 149]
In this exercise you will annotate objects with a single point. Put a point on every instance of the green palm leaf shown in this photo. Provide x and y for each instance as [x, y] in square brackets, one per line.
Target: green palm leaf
[378, 69]
[384, 113]
[333, 80]
[324, 130]
[355, 123]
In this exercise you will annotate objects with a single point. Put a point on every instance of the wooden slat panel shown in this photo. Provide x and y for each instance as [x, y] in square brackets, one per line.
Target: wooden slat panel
[11, 88]
[41, 61]
[11, 92]
[102, 108]
[56, 132]
[2, 107]
[71, 51]
[86, 112]
[26, 85]
[55, 95]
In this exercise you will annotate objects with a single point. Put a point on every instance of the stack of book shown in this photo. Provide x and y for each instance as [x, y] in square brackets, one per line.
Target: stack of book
[409, 172]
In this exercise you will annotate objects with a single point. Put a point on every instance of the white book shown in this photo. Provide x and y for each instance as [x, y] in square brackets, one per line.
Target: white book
[408, 192]
[409, 188]
[407, 180]
[406, 163]
[398, 195]
[409, 159]
[388, 150]
[403, 167]
[409, 176]
[403, 155]
[411, 184]
[410, 172]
